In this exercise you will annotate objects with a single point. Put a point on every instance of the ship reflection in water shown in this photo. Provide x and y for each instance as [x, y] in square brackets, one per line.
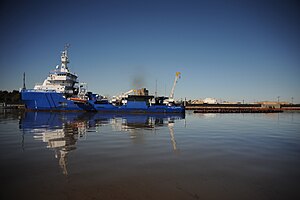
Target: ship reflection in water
[61, 131]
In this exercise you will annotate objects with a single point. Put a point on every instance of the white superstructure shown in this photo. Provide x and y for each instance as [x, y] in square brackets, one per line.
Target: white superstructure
[61, 79]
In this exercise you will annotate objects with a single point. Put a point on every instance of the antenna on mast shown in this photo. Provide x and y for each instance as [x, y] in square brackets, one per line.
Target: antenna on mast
[24, 86]
[67, 45]
[156, 88]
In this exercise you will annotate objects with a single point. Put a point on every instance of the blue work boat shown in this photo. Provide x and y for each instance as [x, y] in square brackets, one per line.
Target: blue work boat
[61, 91]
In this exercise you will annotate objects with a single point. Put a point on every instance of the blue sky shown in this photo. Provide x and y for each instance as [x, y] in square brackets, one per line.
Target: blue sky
[229, 50]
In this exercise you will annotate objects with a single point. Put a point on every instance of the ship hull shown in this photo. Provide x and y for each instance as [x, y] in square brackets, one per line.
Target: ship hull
[53, 101]
[137, 107]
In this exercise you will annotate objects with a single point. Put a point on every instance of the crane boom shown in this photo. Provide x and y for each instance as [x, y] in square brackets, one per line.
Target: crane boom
[173, 88]
[126, 93]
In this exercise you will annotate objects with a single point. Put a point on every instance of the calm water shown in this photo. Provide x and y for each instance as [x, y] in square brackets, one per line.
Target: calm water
[196, 156]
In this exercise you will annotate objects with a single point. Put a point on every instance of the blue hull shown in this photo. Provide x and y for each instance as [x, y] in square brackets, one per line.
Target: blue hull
[138, 107]
[40, 100]
[53, 101]
[150, 109]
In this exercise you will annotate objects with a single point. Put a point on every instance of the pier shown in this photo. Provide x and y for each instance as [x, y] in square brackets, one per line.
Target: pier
[240, 108]
[11, 106]
[237, 110]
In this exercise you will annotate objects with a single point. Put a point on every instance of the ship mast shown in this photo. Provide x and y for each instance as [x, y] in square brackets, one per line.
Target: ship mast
[64, 59]
[24, 86]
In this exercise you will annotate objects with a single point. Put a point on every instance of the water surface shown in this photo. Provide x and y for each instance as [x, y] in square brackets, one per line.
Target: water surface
[50, 155]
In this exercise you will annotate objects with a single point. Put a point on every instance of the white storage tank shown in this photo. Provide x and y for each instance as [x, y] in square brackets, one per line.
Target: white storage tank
[210, 101]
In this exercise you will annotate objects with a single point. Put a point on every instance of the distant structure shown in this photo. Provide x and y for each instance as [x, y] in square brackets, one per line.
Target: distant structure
[272, 104]
[204, 101]
[210, 101]
[197, 101]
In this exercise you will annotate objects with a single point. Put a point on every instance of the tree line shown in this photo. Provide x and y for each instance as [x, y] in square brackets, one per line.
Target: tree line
[10, 97]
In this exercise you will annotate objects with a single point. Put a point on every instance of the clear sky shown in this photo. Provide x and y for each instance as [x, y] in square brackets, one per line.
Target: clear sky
[230, 50]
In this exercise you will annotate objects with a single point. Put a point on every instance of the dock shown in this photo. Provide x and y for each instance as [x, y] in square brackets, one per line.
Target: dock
[237, 110]
[11, 106]
[240, 108]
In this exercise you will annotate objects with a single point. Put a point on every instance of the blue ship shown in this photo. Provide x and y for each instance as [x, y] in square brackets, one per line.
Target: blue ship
[61, 91]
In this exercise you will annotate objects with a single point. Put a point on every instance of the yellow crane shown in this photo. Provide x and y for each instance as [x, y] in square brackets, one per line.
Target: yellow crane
[171, 97]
